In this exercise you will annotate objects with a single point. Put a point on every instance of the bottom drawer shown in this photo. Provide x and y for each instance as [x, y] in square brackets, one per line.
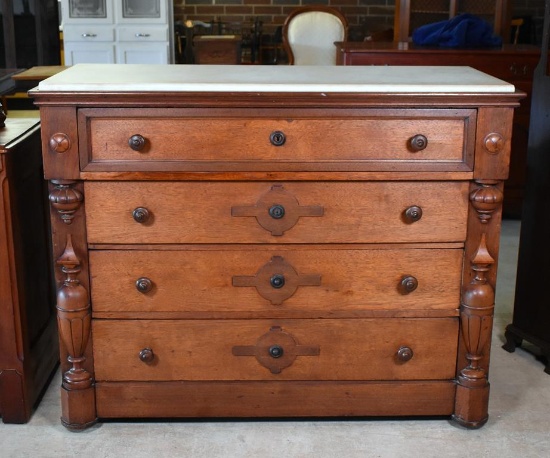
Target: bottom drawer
[301, 349]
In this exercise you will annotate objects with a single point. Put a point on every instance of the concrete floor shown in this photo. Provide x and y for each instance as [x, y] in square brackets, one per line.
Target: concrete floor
[518, 425]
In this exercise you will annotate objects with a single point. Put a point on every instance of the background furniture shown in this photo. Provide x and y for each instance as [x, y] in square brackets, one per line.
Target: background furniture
[512, 63]
[28, 328]
[274, 240]
[411, 14]
[531, 319]
[118, 31]
[217, 49]
[309, 34]
[29, 33]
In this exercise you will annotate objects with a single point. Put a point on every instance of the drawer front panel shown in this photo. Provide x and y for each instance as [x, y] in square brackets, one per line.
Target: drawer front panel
[324, 212]
[275, 279]
[356, 349]
[435, 138]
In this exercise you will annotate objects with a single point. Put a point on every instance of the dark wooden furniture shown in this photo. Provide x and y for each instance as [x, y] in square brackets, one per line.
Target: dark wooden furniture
[217, 49]
[275, 241]
[512, 63]
[28, 332]
[531, 310]
[30, 37]
[411, 14]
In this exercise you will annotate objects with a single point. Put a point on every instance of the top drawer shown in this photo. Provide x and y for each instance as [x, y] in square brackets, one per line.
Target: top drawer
[276, 140]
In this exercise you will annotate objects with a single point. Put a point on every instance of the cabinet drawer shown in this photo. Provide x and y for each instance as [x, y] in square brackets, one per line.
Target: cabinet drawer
[143, 33]
[275, 280]
[423, 140]
[352, 349]
[292, 212]
[89, 34]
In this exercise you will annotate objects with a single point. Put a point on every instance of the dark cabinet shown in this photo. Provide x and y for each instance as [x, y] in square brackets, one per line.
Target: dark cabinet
[531, 321]
[28, 330]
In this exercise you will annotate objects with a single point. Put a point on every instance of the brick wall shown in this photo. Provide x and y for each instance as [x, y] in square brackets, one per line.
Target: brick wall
[364, 16]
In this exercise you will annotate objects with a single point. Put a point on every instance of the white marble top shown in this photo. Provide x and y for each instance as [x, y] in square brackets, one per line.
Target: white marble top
[267, 78]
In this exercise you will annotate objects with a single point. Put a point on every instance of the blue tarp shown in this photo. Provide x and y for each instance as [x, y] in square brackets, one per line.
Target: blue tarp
[462, 31]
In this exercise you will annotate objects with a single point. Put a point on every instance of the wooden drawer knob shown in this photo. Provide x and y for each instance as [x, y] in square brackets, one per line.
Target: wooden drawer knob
[59, 142]
[277, 138]
[141, 215]
[137, 142]
[418, 143]
[408, 284]
[413, 214]
[144, 285]
[146, 355]
[405, 354]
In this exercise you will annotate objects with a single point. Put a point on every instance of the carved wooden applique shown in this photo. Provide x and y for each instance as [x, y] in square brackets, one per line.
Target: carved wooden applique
[276, 350]
[277, 210]
[277, 280]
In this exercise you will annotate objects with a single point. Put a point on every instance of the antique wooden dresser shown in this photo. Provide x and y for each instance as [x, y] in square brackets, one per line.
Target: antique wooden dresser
[275, 242]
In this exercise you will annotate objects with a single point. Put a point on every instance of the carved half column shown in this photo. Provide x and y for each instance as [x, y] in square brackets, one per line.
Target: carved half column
[74, 322]
[476, 309]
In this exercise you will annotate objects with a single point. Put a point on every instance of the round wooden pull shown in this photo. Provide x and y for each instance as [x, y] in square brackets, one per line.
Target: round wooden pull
[144, 285]
[405, 354]
[137, 142]
[418, 143]
[146, 355]
[277, 138]
[413, 214]
[408, 284]
[141, 215]
[494, 143]
[60, 142]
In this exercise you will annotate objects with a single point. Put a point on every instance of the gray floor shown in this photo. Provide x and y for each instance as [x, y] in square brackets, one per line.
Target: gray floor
[518, 425]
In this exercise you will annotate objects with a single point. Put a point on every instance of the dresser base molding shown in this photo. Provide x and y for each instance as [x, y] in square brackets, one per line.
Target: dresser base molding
[273, 399]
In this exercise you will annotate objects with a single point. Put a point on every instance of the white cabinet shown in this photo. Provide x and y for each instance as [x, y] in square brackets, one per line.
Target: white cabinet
[118, 31]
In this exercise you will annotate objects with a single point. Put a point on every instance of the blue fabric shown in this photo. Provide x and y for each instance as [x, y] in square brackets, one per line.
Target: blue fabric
[462, 31]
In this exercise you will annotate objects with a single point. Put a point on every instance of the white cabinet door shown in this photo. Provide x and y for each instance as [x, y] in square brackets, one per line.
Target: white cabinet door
[87, 11]
[89, 53]
[142, 11]
[143, 53]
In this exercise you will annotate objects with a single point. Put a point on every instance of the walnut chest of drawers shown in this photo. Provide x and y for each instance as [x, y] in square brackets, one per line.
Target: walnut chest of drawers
[275, 242]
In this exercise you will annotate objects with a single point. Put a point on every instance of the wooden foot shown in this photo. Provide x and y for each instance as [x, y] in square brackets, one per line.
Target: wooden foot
[471, 406]
[512, 340]
[78, 408]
